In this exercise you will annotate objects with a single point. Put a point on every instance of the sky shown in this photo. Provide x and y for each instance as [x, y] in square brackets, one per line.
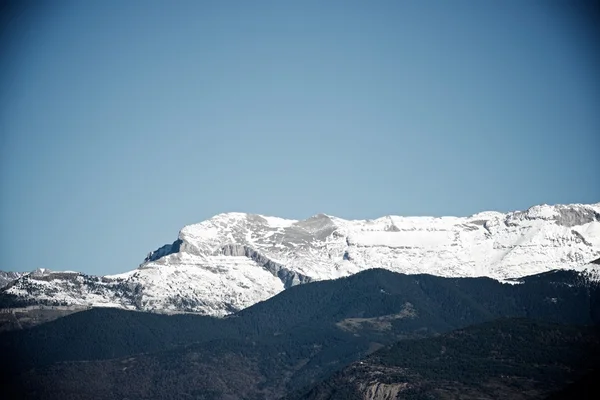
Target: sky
[123, 121]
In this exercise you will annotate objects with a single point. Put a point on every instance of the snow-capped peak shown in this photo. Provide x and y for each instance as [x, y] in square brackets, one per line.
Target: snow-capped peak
[234, 260]
[499, 245]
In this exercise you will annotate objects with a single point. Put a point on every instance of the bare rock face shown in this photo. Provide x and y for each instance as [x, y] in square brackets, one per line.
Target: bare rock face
[562, 215]
[570, 216]
[289, 278]
[234, 260]
[165, 250]
[383, 391]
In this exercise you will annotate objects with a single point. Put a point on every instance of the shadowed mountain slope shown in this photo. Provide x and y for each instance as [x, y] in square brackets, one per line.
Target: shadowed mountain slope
[290, 341]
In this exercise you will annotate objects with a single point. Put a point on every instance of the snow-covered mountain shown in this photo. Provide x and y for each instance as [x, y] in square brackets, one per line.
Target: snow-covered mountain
[234, 260]
[8, 277]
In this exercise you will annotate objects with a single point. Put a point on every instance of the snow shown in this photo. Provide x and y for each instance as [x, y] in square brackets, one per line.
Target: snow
[485, 215]
[502, 246]
[220, 283]
[70, 289]
[485, 244]
[124, 275]
[590, 231]
[420, 239]
[590, 271]
[276, 222]
[543, 211]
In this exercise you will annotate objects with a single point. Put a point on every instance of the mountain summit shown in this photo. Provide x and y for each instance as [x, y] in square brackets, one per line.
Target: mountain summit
[234, 260]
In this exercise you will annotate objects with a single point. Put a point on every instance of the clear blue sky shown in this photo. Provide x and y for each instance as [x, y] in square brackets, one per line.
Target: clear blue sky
[123, 121]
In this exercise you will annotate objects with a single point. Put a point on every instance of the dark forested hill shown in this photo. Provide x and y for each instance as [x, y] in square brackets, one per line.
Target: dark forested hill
[502, 359]
[290, 341]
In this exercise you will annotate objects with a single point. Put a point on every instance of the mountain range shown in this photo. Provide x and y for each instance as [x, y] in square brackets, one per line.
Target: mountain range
[232, 261]
[375, 335]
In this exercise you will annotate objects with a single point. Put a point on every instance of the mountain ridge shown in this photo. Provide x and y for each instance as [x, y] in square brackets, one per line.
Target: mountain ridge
[273, 348]
[234, 260]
